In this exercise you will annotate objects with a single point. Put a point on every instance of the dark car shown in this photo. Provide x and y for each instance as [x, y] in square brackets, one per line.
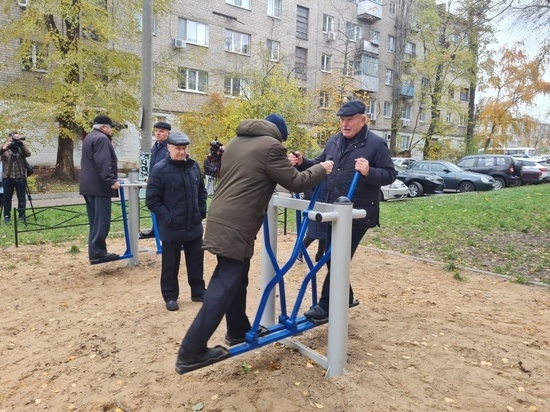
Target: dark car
[455, 178]
[503, 168]
[420, 183]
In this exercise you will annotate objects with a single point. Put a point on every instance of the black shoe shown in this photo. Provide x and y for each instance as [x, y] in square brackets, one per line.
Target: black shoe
[23, 219]
[6, 220]
[172, 305]
[231, 341]
[300, 258]
[147, 234]
[109, 257]
[317, 315]
[190, 362]
[197, 298]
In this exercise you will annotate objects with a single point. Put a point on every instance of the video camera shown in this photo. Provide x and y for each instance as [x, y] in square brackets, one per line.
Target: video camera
[15, 141]
[216, 149]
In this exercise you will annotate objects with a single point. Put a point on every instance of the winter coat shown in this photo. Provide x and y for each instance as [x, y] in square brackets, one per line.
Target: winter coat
[317, 230]
[382, 172]
[159, 151]
[177, 196]
[254, 162]
[98, 166]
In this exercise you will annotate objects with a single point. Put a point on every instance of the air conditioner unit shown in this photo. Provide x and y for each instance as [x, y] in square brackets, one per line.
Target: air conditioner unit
[23, 3]
[331, 36]
[179, 44]
[406, 122]
[374, 42]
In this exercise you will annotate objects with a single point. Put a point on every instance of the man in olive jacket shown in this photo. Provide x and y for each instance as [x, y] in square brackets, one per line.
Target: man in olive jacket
[253, 163]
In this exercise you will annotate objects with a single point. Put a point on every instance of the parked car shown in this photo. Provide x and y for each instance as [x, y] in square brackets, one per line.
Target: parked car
[403, 161]
[455, 178]
[503, 168]
[396, 190]
[420, 183]
[534, 172]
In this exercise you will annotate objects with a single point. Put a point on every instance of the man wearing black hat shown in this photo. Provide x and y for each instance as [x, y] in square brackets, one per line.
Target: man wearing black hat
[98, 184]
[177, 195]
[354, 149]
[159, 149]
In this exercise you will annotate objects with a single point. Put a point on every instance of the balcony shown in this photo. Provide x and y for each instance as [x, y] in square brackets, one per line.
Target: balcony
[407, 91]
[368, 83]
[369, 11]
[367, 46]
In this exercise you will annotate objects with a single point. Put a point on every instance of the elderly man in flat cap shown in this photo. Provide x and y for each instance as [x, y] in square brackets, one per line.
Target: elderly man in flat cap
[354, 149]
[98, 184]
[177, 196]
[159, 150]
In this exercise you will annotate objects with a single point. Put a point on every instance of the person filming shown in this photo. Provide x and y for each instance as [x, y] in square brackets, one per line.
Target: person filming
[14, 174]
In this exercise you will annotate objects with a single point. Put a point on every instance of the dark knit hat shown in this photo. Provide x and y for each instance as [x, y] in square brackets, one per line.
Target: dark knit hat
[101, 119]
[178, 139]
[280, 123]
[352, 108]
[162, 125]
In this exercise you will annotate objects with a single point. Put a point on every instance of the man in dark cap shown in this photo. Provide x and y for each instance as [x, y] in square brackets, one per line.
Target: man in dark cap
[177, 196]
[98, 184]
[254, 162]
[354, 149]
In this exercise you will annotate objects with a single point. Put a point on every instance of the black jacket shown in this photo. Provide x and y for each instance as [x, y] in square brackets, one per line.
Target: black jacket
[98, 166]
[176, 194]
[158, 153]
[370, 146]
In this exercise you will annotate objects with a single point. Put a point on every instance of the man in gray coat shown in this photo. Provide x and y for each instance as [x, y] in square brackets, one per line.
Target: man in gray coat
[98, 184]
[253, 163]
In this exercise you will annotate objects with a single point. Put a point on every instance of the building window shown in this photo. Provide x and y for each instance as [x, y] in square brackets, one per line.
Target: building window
[192, 80]
[273, 50]
[387, 109]
[369, 66]
[245, 4]
[449, 118]
[353, 31]
[389, 77]
[139, 18]
[371, 108]
[193, 32]
[391, 44]
[410, 49]
[326, 63]
[300, 63]
[302, 21]
[451, 94]
[464, 95]
[236, 87]
[324, 100]
[275, 8]
[375, 36]
[404, 142]
[328, 23]
[391, 8]
[425, 83]
[407, 112]
[422, 115]
[35, 57]
[462, 120]
[237, 42]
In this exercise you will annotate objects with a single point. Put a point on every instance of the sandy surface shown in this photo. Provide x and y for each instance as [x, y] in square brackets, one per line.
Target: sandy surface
[98, 338]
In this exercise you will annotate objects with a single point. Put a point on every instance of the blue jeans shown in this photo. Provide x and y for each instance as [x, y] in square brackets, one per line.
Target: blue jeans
[20, 186]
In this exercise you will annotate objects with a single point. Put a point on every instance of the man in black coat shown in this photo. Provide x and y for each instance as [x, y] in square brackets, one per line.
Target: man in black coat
[177, 195]
[354, 149]
[98, 184]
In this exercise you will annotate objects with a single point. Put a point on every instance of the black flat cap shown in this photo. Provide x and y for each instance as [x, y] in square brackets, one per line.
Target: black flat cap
[178, 139]
[101, 119]
[352, 108]
[162, 125]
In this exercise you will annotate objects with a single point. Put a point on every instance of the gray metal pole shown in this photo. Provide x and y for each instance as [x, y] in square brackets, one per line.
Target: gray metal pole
[146, 76]
[267, 271]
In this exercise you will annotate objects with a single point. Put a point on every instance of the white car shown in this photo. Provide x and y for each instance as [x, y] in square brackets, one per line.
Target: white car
[396, 190]
[533, 167]
[403, 161]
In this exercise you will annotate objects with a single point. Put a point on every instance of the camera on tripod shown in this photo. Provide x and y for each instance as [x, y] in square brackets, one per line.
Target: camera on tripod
[216, 149]
[15, 141]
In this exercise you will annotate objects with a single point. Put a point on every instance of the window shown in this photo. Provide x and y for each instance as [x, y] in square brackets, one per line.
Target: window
[245, 4]
[449, 118]
[375, 36]
[371, 108]
[389, 77]
[300, 63]
[328, 23]
[139, 18]
[406, 112]
[387, 109]
[326, 65]
[353, 31]
[193, 32]
[324, 100]
[451, 94]
[236, 87]
[273, 50]
[302, 19]
[422, 115]
[425, 83]
[464, 94]
[369, 66]
[237, 42]
[275, 8]
[404, 142]
[391, 44]
[462, 120]
[391, 8]
[410, 48]
[35, 57]
[192, 80]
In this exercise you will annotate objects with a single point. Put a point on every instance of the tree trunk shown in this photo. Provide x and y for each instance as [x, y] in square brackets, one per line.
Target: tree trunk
[64, 166]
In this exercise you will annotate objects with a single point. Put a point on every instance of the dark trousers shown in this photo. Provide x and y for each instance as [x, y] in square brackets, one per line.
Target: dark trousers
[226, 295]
[321, 247]
[20, 186]
[194, 262]
[99, 218]
[356, 236]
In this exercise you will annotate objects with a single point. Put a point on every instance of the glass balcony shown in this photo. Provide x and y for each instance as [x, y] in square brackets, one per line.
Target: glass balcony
[369, 11]
[368, 83]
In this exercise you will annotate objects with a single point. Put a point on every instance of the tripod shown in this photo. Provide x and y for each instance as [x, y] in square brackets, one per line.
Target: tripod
[16, 180]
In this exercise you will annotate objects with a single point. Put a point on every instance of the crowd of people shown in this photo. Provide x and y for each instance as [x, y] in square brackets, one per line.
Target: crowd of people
[254, 162]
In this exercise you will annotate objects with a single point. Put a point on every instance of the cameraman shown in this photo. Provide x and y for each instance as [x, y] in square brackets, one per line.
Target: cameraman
[14, 174]
[212, 165]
